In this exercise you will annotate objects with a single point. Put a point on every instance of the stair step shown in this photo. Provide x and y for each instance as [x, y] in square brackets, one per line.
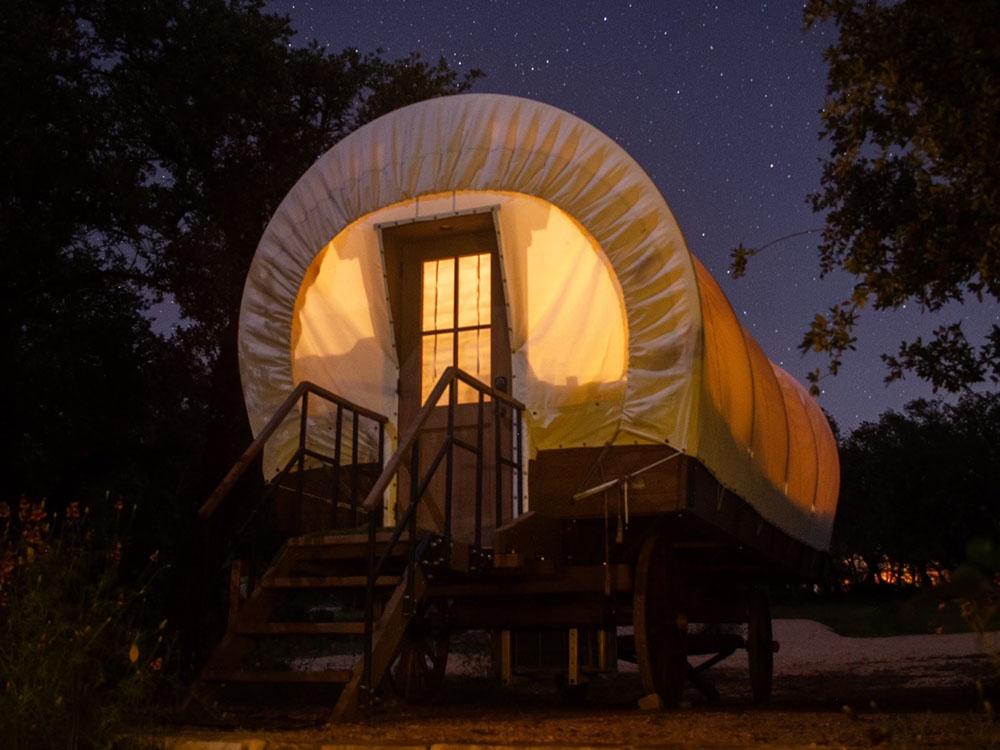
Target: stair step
[322, 552]
[302, 628]
[326, 582]
[330, 539]
[329, 676]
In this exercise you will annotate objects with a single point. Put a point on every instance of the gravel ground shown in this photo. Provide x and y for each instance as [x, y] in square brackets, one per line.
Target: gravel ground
[830, 691]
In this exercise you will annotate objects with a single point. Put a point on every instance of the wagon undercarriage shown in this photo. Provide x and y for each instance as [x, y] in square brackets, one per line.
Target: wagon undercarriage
[650, 569]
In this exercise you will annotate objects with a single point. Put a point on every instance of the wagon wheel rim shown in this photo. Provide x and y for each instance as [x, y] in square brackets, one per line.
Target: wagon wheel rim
[418, 672]
[659, 623]
[760, 652]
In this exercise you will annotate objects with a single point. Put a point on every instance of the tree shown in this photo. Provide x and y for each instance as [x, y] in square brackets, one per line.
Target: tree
[145, 146]
[916, 486]
[911, 187]
[87, 390]
[227, 114]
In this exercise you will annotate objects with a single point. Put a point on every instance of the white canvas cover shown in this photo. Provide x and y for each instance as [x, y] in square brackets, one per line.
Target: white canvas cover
[617, 334]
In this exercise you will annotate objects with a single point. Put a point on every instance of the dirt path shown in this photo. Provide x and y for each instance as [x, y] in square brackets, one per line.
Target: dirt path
[910, 691]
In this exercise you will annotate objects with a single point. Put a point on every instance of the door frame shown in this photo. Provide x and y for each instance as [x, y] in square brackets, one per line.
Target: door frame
[416, 229]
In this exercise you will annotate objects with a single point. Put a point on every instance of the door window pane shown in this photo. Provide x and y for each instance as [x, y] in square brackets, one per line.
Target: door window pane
[474, 358]
[451, 336]
[439, 295]
[474, 290]
[438, 353]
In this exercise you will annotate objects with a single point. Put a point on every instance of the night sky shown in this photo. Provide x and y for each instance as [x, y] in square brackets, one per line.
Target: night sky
[718, 102]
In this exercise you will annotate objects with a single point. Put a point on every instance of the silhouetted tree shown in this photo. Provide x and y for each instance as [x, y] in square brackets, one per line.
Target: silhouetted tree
[145, 146]
[227, 114]
[89, 394]
[911, 188]
[918, 485]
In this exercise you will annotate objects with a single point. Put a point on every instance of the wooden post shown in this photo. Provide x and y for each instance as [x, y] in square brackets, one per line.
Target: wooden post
[573, 668]
[235, 591]
[506, 666]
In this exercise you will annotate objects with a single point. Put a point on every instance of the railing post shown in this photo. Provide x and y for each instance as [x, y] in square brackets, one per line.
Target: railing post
[449, 464]
[369, 611]
[381, 466]
[301, 468]
[498, 466]
[519, 469]
[337, 436]
[480, 427]
[354, 470]
[411, 567]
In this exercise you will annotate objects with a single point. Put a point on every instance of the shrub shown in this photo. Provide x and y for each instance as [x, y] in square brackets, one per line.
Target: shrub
[77, 657]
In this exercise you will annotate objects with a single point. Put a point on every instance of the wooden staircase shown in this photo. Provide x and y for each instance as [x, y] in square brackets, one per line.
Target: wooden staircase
[315, 591]
[325, 591]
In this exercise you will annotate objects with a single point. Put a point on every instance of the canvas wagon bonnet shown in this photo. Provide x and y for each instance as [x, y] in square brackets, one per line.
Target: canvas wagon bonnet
[616, 332]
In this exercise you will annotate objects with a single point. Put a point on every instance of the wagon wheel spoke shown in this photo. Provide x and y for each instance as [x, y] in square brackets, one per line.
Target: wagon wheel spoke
[659, 625]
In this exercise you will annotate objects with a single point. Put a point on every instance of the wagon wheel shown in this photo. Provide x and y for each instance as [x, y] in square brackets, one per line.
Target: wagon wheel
[660, 625]
[759, 645]
[419, 670]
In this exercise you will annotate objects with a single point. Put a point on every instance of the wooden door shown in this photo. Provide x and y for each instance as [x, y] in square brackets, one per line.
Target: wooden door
[446, 291]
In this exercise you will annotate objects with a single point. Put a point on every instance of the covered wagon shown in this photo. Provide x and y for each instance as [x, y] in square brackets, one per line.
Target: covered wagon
[492, 388]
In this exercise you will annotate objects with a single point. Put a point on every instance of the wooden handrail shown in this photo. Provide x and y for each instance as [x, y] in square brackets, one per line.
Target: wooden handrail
[257, 446]
[333, 398]
[375, 497]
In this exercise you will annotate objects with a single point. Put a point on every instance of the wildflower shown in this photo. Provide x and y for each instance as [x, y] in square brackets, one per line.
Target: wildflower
[157, 664]
[24, 509]
[119, 504]
[38, 513]
[32, 536]
[133, 653]
[155, 556]
[73, 511]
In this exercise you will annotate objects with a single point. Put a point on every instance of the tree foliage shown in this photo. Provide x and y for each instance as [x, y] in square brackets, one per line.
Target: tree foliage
[911, 187]
[227, 113]
[916, 486]
[85, 379]
[145, 146]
